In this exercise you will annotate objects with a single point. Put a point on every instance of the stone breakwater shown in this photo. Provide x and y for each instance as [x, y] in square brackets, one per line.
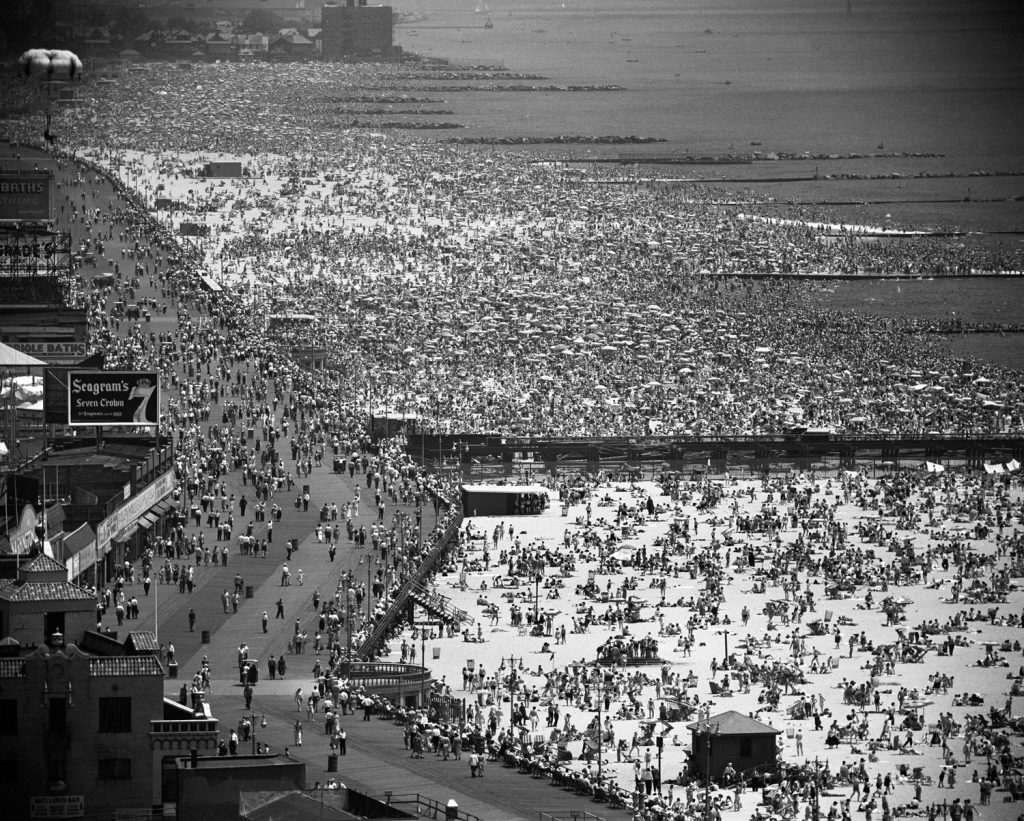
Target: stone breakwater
[610, 139]
[503, 87]
[403, 124]
[467, 75]
[370, 112]
[850, 155]
[383, 99]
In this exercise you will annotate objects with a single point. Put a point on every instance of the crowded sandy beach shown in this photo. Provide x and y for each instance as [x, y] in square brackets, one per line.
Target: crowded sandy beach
[871, 620]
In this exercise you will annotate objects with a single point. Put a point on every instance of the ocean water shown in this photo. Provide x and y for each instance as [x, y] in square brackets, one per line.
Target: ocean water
[942, 77]
[939, 76]
[983, 300]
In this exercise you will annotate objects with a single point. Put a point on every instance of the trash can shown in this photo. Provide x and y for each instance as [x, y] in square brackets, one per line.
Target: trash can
[172, 669]
[205, 636]
[249, 591]
[451, 811]
[249, 433]
[332, 763]
[337, 465]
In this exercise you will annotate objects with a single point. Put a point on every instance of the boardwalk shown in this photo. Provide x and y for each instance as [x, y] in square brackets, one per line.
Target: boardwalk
[376, 760]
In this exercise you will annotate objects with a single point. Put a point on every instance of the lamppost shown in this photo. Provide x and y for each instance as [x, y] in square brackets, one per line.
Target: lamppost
[370, 562]
[252, 724]
[725, 635]
[536, 595]
[350, 596]
[512, 681]
[423, 659]
[660, 742]
[817, 791]
[705, 724]
[598, 682]
[438, 426]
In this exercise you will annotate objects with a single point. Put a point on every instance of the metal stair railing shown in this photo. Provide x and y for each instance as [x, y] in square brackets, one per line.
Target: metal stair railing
[439, 605]
[416, 579]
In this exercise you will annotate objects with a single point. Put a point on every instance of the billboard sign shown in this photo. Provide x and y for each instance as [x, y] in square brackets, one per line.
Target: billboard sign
[25, 196]
[56, 351]
[113, 398]
[57, 806]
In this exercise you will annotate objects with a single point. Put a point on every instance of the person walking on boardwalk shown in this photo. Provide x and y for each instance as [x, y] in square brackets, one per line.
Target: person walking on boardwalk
[191, 620]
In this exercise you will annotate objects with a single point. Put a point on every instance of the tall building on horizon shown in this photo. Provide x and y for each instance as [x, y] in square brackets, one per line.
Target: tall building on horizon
[357, 32]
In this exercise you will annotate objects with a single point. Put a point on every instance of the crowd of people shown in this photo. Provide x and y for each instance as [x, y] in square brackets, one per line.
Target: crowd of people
[481, 292]
[485, 293]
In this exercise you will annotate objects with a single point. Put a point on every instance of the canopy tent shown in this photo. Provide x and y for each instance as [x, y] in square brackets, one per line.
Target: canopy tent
[13, 358]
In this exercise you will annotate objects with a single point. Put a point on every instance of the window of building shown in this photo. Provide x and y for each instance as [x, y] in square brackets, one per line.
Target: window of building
[745, 748]
[116, 769]
[58, 715]
[8, 716]
[53, 623]
[116, 715]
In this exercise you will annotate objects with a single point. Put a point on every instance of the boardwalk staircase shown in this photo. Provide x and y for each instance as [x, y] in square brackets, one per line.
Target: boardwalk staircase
[439, 607]
[399, 606]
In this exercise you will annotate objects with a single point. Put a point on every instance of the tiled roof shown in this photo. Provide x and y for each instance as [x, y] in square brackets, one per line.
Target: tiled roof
[12, 668]
[79, 539]
[125, 666]
[43, 564]
[143, 640]
[732, 723]
[42, 592]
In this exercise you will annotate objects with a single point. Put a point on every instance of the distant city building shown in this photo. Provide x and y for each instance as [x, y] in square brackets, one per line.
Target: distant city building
[357, 33]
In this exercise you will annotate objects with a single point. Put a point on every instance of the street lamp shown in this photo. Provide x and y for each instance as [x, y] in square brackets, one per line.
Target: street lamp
[350, 596]
[599, 683]
[252, 725]
[536, 595]
[725, 635]
[705, 725]
[370, 562]
[511, 686]
[423, 659]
